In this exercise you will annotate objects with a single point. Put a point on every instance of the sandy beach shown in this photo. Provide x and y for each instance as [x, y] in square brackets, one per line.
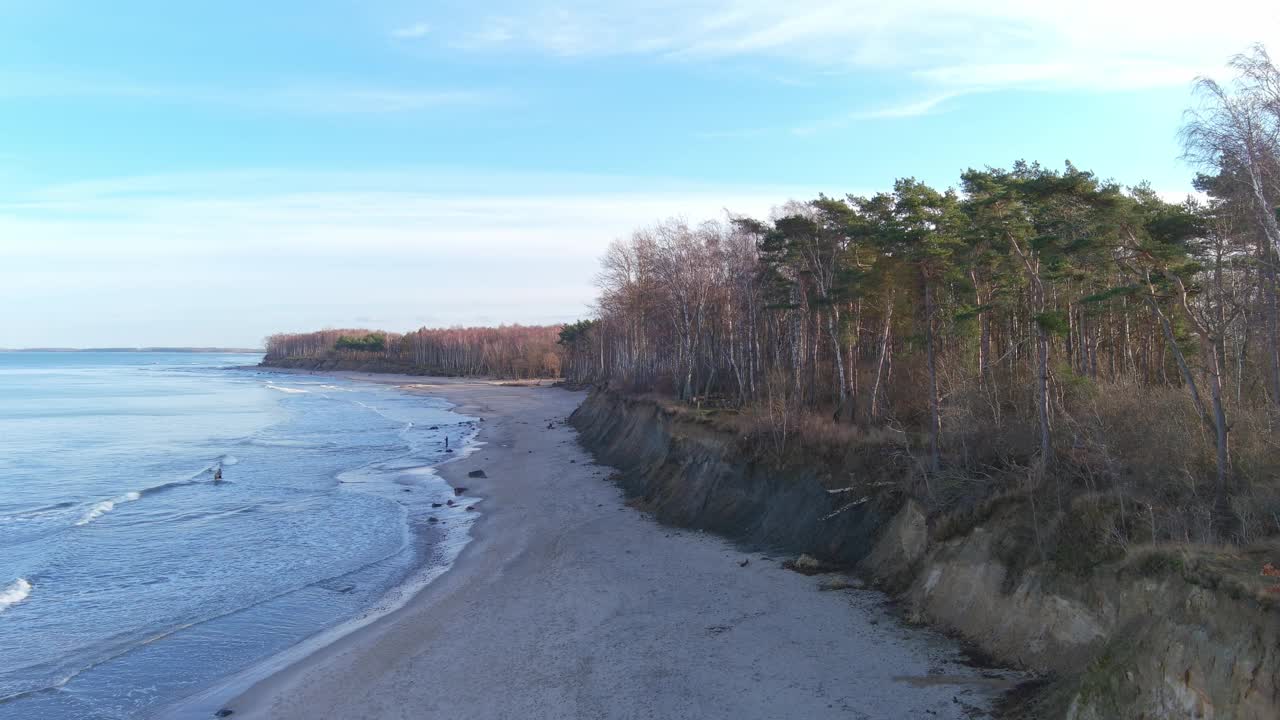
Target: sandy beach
[568, 603]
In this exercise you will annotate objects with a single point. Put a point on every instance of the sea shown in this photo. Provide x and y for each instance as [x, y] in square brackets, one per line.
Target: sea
[131, 576]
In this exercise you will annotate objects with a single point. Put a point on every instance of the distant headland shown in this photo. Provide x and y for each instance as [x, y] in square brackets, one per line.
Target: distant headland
[137, 349]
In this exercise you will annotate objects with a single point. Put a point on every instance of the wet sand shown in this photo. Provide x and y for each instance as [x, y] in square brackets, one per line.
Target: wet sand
[569, 604]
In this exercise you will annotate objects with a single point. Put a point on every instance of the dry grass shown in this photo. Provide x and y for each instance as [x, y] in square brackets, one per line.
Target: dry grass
[1133, 465]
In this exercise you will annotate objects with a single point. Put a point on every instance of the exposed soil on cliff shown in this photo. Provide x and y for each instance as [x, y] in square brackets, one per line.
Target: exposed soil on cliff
[1164, 632]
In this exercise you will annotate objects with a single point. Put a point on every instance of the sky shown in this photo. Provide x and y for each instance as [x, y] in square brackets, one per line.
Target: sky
[210, 173]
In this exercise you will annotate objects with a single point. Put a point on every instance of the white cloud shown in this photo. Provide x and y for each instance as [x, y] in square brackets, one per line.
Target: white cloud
[409, 32]
[1100, 44]
[228, 258]
[372, 215]
[910, 109]
[494, 32]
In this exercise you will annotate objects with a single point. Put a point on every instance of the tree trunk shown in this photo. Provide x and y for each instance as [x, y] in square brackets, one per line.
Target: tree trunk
[1222, 499]
[1266, 213]
[1042, 392]
[851, 407]
[1183, 368]
[1218, 421]
[842, 385]
[984, 329]
[1042, 351]
[1271, 308]
[873, 414]
[935, 413]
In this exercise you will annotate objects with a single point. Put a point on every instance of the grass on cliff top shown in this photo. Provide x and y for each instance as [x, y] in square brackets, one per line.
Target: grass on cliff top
[1122, 489]
[1237, 571]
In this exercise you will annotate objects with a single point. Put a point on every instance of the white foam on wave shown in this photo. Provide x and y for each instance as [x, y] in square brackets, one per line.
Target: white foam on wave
[17, 591]
[107, 506]
[286, 389]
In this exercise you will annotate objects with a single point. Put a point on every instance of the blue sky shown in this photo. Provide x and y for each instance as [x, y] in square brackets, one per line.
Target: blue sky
[208, 173]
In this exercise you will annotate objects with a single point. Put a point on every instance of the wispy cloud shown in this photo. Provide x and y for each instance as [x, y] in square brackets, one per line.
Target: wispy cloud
[235, 256]
[1105, 74]
[427, 213]
[490, 34]
[910, 109]
[1095, 44]
[306, 97]
[409, 32]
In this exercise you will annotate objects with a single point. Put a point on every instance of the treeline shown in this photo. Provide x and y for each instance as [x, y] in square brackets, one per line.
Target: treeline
[509, 351]
[1031, 319]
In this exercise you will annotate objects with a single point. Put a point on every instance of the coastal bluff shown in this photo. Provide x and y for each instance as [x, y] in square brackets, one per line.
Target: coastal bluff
[1163, 632]
[569, 603]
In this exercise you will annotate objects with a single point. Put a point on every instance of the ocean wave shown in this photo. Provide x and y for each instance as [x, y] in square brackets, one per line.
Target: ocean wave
[17, 591]
[102, 508]
[286, 389]
[106, 506]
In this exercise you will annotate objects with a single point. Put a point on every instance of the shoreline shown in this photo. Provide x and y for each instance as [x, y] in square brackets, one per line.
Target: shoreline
[587, 608]
[247, 685]
[208, 701]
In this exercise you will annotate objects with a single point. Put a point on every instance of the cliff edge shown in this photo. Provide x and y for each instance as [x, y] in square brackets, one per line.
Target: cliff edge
[1158, 632]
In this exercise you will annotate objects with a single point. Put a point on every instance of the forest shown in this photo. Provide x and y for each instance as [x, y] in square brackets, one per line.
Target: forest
[509, 351]
[1034, 331]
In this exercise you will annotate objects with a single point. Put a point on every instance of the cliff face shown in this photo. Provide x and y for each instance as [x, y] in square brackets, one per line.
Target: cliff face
[1155, 636]
[685, 476]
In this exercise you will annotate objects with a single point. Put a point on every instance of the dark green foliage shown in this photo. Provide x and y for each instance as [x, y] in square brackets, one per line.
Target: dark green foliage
[1020, 326]
[373, 342]
[576, 333]
[1053, 322]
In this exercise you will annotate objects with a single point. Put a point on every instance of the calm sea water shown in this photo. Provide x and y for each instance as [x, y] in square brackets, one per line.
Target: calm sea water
[130, 579]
